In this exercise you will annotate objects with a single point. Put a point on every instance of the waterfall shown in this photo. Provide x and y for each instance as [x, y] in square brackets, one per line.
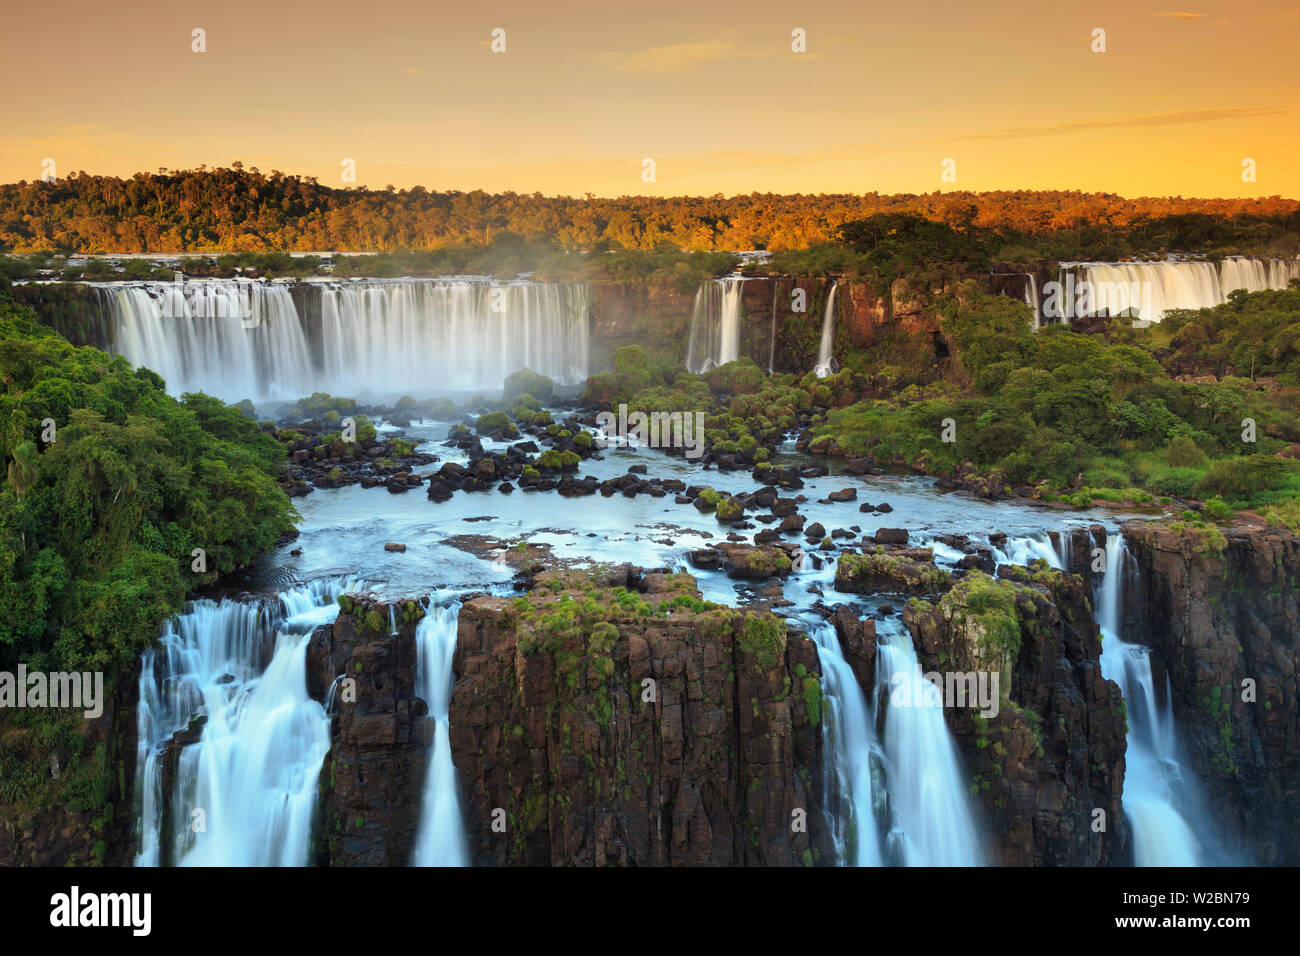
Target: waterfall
[1156, 793]
[1150, 289]
[1024, 549]
[715, 324]
[441, 837]
[244, 793]
[1031, 297]
[823, 367]
[230, 339]
[245, 339]
[849, 733]
[933, 822]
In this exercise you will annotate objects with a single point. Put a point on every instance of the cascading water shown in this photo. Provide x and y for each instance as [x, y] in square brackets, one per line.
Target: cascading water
[230, 339]
[1031, 296]
[243, 339]
[827, 346]
[851, 747]
[1156, 792]
[251, 777]
[1022, 550]
[715, 324]
[933, 822]
[1149, 289]
[441, 837]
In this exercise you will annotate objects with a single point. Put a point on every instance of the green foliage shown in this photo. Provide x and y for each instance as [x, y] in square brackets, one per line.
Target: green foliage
[1241, 479]
[986, 608]
[763, 635]
[530, 383]
[729, 509]
[97, 527]
[812, 699]
[553, 460]
[1052, 406]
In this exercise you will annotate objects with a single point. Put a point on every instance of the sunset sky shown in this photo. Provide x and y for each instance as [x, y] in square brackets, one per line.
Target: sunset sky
[587, 89]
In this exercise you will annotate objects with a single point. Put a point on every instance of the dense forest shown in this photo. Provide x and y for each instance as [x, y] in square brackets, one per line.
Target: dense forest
[1086, 418]
[238, 210]
[111, 484]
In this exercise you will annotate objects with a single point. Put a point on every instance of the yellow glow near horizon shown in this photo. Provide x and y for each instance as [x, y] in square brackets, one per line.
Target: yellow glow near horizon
[585, 91]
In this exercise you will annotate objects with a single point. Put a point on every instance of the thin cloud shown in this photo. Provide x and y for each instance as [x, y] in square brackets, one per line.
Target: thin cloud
[679, 57]
[1183, 118]
[1180, 15]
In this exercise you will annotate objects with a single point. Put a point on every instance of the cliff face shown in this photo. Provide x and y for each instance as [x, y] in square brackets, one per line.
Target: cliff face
[1054, 752]
[771, 332]
[68, 783]
[373, 776]
[634, 737]
[1217, 621]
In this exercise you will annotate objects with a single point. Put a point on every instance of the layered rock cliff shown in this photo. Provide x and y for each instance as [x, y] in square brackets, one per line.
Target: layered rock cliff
[373, 776]
[1225, 625]
[634, 727]
[1053, 754]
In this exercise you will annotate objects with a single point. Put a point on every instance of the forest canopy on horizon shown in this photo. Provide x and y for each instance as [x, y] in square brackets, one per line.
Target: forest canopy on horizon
[244, 210]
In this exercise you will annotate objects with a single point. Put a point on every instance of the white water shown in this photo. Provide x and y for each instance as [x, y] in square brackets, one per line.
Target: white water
[243, 339]
[441, 837]
[1031, 296]
[1022, 550]
[850, 745]
[827, 346]
[1154, 784]
[1152, 288]
[715, 324]
[254, 770]
[933, 821]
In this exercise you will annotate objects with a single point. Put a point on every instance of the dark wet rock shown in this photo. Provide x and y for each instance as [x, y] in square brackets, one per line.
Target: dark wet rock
[707, 559]
[843, 494]
[981, 560]
[394, 546]
[891, 535]
[783, 507]
[373, 777]
[753, 561]
[904, 572]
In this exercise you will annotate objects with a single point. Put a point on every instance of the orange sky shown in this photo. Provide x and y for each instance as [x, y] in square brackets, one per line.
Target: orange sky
[587, 89]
